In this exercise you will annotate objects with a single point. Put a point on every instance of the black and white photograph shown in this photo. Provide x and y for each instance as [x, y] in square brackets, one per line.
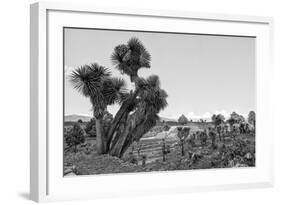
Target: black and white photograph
[143, 101]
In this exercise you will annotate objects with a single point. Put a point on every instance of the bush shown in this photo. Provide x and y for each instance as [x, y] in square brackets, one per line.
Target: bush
[75, 137]
[90, 128]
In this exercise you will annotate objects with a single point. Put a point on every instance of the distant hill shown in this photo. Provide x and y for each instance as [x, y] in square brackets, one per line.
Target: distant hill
[75, 118]
[167, 119]
[85, 118]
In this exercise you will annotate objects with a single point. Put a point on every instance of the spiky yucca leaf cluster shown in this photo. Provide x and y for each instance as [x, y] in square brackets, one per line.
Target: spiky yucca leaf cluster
[151, 94]
[87, 79]
[95, 81]
[129, 58]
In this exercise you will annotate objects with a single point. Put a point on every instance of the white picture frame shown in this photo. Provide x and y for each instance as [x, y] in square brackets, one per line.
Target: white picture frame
[46, 26]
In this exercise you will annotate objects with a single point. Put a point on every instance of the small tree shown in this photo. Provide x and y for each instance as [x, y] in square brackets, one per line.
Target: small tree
[164, 150]
[212, 135]
[203, 137]
[182, 120]
[75, 137]
[218, 119]
[252, 118]
[183, 133]
[164, 147]
[234, 118]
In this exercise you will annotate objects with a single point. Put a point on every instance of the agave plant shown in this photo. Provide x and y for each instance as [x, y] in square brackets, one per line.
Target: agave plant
[95, 82]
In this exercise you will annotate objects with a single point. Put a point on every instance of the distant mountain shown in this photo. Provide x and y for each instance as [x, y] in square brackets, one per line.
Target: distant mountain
[75, 118]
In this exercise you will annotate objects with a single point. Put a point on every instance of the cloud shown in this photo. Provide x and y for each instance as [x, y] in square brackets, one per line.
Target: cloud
[222, 112]
[207, 115]
[192, 115]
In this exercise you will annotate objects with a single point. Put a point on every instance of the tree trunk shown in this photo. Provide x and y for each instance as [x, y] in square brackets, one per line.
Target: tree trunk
[117, 135]
[100, 139]
[182, 149]
[122, 112]
[134, 78]
[131, 134]
[117, 147]
[164, 157]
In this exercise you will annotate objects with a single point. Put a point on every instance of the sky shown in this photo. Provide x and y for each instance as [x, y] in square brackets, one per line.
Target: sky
[202, 74]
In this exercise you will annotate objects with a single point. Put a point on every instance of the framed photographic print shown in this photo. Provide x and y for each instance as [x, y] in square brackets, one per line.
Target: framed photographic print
[127, 102]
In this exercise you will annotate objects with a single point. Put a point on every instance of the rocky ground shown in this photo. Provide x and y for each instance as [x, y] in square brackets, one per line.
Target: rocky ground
[103, 164]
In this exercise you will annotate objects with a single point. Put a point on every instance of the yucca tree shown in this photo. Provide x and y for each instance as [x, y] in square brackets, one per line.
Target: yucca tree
[252, 118]
[183, 133]
[145, 101]
[151, 100]
[129, 58]
[139, 108]
[95, 82]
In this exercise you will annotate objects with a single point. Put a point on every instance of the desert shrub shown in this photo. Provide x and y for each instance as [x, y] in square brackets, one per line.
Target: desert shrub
[239, 154]
[75, 137]
[166, 127]
[90, 128]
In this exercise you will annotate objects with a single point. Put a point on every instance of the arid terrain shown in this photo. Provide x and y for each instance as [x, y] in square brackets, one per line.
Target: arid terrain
[236, 150]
